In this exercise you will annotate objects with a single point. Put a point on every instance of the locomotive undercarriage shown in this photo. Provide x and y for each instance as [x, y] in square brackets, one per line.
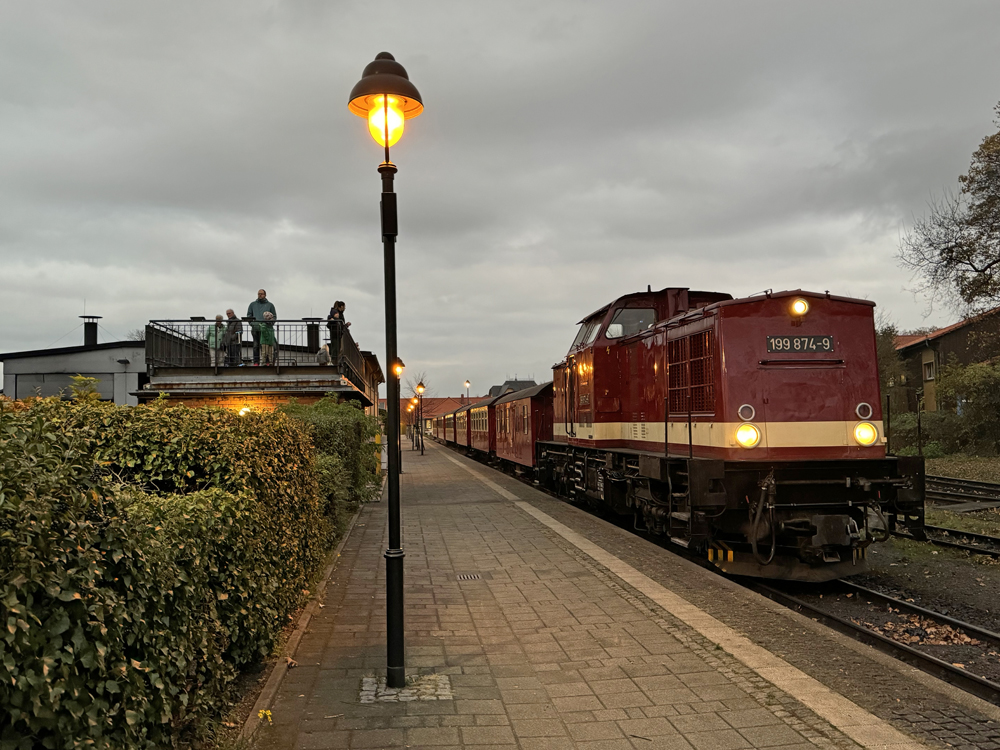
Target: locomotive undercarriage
[810, 521]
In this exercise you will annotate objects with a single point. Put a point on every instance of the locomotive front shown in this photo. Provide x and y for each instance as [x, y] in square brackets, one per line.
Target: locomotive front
[807, 481]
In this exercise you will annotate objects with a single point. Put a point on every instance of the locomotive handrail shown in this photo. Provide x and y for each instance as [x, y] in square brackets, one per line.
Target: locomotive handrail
[811, 361]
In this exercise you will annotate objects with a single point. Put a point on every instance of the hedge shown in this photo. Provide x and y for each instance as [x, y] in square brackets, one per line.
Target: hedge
[146, 555]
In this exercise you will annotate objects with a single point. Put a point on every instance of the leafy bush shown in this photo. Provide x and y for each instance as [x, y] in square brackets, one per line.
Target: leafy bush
[975, 391]
[946, 430]
[146, 554]
[344, 431]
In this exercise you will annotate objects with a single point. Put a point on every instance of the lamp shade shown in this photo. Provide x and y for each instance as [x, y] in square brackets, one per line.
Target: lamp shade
[383, 76]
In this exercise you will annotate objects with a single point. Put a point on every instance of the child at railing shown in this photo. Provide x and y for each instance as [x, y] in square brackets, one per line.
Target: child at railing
[267, 339]
[215, 337]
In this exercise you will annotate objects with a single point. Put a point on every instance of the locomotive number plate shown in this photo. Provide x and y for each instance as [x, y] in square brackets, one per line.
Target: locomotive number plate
[800, 343]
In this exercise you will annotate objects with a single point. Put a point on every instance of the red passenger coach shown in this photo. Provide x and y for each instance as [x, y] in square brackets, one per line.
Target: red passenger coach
[522, 419]
[482, 429]
[462, 437]
[449, 427]
[748, 428]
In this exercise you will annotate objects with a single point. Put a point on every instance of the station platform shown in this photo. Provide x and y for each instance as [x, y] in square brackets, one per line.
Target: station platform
[532, 624]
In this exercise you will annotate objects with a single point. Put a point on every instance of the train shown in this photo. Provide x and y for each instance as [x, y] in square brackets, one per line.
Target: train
[749, 431]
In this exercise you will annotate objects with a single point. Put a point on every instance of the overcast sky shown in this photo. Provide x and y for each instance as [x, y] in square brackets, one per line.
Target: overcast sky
[162, 160]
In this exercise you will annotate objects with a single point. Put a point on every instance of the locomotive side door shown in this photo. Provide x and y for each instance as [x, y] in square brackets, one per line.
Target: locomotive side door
[571, 397]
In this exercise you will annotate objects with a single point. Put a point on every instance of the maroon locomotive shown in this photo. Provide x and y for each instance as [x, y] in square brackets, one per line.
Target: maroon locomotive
[748, 428]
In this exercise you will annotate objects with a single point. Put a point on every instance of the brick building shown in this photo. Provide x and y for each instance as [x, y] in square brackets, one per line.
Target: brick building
[975, 339]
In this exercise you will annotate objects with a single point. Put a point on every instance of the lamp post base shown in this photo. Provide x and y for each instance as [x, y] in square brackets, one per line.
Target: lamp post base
[395, 673]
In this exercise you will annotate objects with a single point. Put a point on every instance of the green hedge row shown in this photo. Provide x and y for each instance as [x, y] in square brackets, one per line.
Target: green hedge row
[146, 555]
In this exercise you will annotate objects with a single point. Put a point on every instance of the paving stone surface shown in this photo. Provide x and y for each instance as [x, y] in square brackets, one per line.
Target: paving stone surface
[544, 649]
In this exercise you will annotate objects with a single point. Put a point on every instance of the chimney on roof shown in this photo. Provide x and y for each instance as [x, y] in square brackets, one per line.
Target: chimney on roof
[90, 329]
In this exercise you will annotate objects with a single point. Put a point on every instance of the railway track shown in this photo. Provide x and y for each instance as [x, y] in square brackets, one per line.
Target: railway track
[979, 544]
[955, 673]
[952, 490]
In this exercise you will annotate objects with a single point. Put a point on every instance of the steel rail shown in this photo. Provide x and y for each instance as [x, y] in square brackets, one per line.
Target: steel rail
[951, 489]
[954, 545]
[979, 686]
[973, 535]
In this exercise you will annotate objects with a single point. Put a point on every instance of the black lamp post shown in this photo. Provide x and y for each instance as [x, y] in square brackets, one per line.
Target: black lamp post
[467, 384]
[420, 410]
[385, 96]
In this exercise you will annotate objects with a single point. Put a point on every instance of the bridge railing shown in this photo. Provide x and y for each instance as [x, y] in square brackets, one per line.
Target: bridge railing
[207, 344]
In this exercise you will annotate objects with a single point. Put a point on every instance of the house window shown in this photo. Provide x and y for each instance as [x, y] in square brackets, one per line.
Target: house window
[928, 371]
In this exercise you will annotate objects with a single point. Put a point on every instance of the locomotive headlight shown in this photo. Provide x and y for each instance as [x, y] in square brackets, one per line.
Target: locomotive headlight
[799, 307]
[747, 435]
[865, 433]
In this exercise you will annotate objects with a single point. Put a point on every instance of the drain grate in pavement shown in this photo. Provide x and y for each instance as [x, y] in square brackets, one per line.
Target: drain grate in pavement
[426, 687]
[469, 577]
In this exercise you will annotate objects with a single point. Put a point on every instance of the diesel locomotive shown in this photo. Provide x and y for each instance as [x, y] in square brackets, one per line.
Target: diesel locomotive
[748, 430]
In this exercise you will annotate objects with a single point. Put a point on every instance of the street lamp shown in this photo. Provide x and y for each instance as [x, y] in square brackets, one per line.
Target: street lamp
[420, 394]
[412, 408]
[467, 384]
[386, 98]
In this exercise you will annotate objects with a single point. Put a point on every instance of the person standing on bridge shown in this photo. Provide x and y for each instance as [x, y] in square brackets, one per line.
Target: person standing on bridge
[336, 323]
[234, 339]
[255, 312]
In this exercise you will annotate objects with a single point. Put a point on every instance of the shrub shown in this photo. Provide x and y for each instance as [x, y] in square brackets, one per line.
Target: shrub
[343, 430]
[945, 429]
[146, 554]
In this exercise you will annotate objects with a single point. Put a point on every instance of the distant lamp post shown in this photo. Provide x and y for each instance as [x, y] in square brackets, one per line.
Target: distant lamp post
[420, 411]
[467, 384]
[385, 97]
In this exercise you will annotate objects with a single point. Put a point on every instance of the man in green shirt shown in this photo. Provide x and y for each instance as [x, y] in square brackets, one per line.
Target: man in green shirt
[255, 312]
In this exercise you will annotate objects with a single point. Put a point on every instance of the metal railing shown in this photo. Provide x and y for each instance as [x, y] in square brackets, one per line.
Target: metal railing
[206, 344]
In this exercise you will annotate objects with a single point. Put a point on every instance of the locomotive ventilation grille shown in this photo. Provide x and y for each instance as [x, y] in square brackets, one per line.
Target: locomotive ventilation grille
[691, 373]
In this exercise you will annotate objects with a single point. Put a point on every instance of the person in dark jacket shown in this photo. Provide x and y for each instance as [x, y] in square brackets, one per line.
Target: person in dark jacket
[336, 323]
[255, 312]
[233, 339]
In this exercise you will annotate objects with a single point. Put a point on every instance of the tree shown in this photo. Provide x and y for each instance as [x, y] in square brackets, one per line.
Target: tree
[955, 251]
[890, 365]
[413, 380]
[136, 334]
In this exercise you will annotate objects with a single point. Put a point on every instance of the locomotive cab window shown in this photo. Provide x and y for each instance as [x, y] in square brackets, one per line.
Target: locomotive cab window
[630, 320]
[586, 334]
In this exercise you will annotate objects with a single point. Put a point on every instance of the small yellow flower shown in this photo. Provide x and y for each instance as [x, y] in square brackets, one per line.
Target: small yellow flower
[264, 714]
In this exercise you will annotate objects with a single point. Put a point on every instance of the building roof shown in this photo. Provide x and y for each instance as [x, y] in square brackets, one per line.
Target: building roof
[72, 350]
[907, 340]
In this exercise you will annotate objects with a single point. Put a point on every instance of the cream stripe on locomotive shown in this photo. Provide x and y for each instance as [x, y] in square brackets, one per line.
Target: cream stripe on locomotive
[723, 434]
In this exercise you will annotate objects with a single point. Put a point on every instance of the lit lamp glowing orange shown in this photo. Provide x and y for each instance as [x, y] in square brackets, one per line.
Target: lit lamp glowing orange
[799, 307]
[385, 97]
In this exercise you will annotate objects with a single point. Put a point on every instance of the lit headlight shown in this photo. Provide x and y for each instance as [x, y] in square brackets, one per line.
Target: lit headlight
[865, 433]
[747, 435]
[799, 306]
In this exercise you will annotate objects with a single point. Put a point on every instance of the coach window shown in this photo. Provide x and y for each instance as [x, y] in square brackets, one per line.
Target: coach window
[630, 320]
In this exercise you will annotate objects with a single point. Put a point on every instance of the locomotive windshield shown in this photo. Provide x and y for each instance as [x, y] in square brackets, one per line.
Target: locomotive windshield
[630, 320]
